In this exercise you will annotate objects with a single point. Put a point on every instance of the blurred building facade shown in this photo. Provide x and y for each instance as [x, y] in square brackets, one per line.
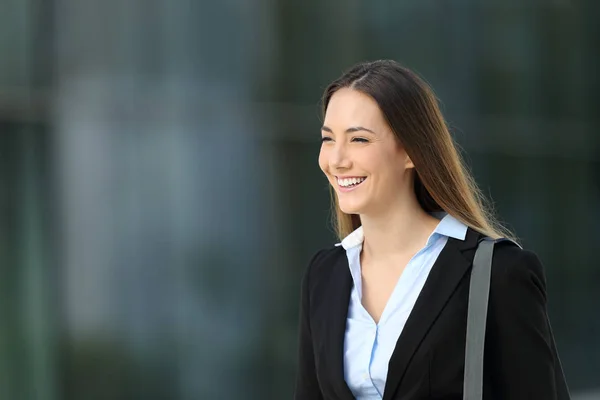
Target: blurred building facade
[160, 193]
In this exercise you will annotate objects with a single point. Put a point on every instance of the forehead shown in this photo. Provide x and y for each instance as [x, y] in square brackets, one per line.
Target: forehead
[349, 107]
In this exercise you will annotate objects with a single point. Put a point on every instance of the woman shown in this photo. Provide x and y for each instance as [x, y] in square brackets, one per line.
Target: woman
[383, 313]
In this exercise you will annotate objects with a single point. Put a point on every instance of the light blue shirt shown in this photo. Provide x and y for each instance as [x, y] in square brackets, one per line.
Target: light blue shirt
[368, 346]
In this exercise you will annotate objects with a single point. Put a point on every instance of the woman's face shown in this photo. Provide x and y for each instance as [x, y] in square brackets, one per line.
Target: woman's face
[361, 157]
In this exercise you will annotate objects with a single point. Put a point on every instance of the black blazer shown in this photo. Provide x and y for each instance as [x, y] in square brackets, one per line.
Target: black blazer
[428, 361]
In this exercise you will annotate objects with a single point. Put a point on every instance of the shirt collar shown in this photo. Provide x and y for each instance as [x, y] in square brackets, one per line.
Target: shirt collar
[448, 226]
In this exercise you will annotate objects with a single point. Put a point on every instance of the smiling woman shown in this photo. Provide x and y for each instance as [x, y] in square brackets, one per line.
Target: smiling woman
[370, 158]
[384, 104]
[384, 312]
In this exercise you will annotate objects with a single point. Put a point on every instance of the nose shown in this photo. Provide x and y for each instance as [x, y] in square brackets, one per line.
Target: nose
[339, 157]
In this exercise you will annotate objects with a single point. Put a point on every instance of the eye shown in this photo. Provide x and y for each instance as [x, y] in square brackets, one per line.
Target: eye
[325, 139]
[360, 140]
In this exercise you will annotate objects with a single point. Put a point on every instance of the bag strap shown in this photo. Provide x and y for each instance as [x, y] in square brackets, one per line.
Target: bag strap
[479, 290]
[479, 293]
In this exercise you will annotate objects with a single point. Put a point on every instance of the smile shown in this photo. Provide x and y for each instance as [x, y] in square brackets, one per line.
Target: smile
[350, 183]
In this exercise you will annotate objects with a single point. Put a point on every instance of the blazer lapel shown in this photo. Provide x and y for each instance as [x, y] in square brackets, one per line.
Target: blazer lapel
[341, 279]
[446, 273]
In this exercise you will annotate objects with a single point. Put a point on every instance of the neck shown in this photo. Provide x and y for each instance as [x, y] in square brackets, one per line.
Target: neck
[397, 232]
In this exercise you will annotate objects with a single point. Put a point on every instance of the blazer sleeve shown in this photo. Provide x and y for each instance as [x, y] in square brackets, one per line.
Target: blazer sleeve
[519, 341]
[307, 385]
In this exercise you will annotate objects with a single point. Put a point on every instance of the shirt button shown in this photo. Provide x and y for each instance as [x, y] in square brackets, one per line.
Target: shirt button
[365, 376]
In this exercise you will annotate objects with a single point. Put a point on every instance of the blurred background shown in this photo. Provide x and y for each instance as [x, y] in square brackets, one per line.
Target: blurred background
[160, 195]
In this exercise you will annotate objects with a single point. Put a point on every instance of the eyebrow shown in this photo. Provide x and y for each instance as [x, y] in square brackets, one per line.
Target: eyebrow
[349, 130]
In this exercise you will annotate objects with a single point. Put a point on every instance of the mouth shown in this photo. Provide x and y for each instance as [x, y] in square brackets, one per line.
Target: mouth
[346, 184]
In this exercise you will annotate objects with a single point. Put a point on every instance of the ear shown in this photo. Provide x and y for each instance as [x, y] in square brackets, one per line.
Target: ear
[408, 163]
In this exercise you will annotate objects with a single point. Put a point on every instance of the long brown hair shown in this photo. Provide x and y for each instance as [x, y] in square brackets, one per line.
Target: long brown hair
[441, 182]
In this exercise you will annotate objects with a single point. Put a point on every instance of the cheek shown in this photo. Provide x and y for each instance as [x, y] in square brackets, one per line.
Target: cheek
[391, 168]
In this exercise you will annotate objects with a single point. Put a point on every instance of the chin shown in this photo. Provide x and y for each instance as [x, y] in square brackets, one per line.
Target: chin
[351, 208]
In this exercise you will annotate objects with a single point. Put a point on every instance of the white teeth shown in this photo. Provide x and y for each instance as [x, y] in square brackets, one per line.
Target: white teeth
[350, 181]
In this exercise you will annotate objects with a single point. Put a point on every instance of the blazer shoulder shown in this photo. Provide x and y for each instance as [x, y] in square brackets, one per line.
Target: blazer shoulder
[513, 266]
[321, 262]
